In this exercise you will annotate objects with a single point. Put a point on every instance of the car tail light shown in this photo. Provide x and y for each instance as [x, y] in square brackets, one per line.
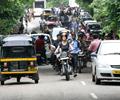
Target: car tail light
[5, 64]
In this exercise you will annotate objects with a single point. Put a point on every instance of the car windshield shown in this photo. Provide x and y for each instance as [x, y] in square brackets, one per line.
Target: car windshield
[18, 52]
[94, 26]
[110, 48]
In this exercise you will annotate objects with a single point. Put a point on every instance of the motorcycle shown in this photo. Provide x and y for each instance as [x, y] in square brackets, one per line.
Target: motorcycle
[66, 69]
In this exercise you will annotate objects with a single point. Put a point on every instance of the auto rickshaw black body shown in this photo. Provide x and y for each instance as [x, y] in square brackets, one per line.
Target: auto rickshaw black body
[18, 59]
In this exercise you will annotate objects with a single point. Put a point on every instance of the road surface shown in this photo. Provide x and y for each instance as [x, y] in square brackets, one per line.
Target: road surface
[54, 87]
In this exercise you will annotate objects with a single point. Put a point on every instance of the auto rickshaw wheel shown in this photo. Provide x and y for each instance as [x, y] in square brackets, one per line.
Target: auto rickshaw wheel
[2, 82]
[36, 81]
[18, 79]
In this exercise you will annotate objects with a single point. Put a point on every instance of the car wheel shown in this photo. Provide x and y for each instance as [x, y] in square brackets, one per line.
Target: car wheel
[18, 79]
[36, 81]
[93, 78]
[2, 82]
[97, 81]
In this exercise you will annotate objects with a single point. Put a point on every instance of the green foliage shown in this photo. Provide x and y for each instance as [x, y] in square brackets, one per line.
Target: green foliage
[56, 3]
[105, 11]
[108, 12]
[10, 12]
[85, 5]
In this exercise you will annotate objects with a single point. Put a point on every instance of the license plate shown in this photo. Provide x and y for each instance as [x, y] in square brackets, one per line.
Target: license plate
[116, 71]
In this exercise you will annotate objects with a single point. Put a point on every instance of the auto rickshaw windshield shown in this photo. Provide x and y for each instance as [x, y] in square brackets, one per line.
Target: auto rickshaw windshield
[18, 52]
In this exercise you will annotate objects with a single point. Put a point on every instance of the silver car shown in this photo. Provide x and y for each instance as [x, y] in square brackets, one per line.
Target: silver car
[106, 61]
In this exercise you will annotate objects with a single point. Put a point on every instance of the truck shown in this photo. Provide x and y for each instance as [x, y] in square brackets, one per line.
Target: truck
[38, 6]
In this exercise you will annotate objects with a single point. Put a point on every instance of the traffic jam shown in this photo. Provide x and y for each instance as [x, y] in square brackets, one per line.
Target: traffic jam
[69, 39]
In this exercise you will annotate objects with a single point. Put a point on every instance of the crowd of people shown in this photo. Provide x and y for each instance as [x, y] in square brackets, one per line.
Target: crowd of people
[77, 39]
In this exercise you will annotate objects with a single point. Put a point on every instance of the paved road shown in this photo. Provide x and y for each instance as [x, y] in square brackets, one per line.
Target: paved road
[54, 87]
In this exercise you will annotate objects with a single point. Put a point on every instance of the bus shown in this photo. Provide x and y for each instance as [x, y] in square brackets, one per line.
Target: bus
[38, 7]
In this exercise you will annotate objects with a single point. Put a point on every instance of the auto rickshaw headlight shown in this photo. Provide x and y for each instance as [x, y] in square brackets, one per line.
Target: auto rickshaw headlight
[5, 64]
[31, 63]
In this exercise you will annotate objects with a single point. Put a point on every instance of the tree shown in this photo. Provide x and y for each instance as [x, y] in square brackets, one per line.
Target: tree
[105, 11]
[57, 3]
[108, 12]
[85, 5]
[10, 12]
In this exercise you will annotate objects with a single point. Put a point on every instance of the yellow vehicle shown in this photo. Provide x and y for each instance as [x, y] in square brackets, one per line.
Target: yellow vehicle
[18, 59]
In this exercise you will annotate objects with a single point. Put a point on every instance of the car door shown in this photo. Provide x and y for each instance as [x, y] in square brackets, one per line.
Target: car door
[94, 59]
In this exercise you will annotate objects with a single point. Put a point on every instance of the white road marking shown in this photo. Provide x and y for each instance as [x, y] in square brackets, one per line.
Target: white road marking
[93, 96]
[83, 83]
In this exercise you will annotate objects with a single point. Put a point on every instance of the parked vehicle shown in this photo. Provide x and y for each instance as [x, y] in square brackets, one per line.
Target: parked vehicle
[105, 61]
[18, 59]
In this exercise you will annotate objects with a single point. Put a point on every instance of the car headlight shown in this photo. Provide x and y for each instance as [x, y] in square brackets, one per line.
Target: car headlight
[103, 65]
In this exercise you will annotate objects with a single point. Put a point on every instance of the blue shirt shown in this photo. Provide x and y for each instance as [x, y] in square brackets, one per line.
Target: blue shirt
[75, 47]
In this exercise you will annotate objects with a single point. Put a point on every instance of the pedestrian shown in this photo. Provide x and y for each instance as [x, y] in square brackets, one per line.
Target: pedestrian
[75, 49]
[94, 44]
[40, 48]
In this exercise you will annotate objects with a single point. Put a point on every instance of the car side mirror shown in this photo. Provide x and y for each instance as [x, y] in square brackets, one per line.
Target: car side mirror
[93, 55]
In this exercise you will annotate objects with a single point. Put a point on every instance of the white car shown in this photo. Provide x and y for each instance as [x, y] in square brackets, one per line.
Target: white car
[56, 31]
[89, 21]
[106, 61]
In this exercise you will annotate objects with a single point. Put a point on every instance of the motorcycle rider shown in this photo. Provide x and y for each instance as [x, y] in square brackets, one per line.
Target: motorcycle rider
[72, 47]
[53, 56]
[62, 47]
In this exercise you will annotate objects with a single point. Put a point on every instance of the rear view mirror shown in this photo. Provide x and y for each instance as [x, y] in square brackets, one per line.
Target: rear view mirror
[93, 55]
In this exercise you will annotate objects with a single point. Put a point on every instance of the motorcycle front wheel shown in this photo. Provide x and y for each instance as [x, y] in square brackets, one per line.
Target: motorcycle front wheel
[67, 73]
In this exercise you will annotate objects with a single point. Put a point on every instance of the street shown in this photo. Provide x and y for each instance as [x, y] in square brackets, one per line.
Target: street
[54, 87]
[66, 33]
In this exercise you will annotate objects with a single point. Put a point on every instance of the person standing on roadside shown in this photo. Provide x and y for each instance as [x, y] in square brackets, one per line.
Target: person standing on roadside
[75, 49]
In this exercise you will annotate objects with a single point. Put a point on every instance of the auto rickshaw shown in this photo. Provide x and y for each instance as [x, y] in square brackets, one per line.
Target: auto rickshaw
[18, 59]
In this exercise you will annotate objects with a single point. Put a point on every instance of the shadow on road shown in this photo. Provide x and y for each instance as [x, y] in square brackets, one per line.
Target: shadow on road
[20, 83]
[111, 83]
[46, 70]
[86, 70]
